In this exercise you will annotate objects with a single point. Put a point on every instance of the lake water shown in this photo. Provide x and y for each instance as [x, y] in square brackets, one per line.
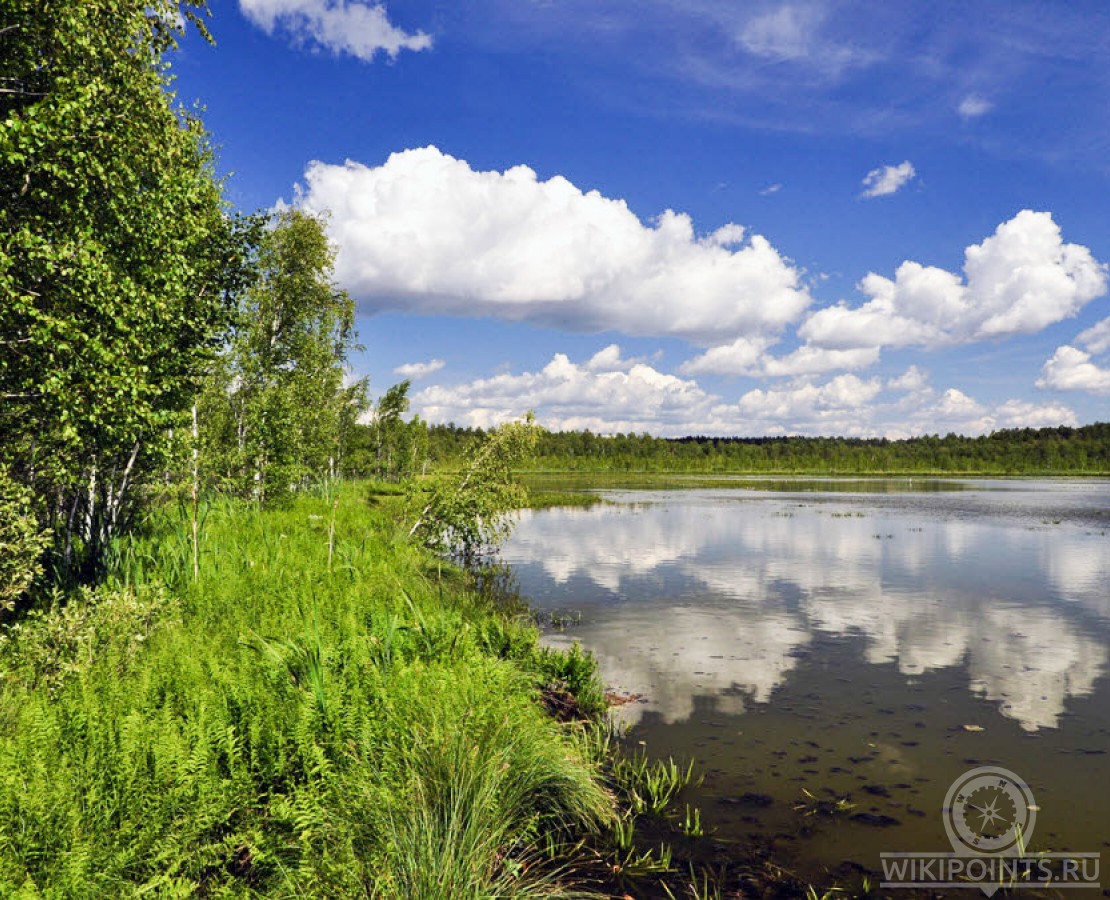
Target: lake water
[871, 639]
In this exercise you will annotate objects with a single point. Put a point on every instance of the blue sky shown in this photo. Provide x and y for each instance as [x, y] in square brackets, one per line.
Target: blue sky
[698, 216]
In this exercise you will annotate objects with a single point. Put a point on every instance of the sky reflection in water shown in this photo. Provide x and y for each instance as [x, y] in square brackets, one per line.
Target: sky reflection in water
[721, 592]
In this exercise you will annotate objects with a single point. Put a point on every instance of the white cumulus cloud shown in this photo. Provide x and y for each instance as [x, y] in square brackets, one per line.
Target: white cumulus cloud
[609, 359]
[742, 356]
[887, 179]
[954, 404]
[810, 401]
[596, 395]
[913, 379]
[608, 393]
[746, 356]
[418, 370]
[425, 232]
[1023, 414]
[923, 410]
[342, 26]
[1017, 281]
[1096, 338]
[1070, 369]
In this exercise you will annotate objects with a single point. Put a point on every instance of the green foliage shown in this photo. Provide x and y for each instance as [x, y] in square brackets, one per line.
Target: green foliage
[116, 258]
[812, 805]
[21, 542]
[277, 728]
[699, 887]
[398, 449]
[48, 648]
[650, 787]
[691, 823]
[275, 413]
[574, 671]
[1024, 451]
[471, 512]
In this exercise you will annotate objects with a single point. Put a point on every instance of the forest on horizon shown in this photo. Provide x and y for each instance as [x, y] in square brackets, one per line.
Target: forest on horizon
[1081, 450]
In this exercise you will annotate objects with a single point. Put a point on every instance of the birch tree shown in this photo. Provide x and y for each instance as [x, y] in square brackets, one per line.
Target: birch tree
[117, 258]
[466, 515]
[279, 405]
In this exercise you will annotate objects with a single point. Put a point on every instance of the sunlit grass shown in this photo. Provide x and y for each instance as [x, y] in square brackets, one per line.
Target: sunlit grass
[282, 726]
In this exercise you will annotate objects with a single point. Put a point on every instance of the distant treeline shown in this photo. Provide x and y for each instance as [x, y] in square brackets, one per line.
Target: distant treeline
[1019, 451]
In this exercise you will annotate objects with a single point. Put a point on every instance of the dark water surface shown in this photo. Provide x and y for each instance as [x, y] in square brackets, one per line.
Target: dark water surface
[871, 639]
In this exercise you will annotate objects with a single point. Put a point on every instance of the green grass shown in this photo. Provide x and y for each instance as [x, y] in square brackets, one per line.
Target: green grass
[324, 712]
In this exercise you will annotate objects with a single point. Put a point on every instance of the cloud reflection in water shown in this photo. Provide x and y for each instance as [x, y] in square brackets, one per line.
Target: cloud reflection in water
[720, 593]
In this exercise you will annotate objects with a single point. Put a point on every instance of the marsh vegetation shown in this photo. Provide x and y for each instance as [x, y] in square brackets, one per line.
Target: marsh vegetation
[281, 725]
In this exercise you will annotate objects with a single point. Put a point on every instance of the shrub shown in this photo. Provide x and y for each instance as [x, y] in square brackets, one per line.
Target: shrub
[21, 542]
